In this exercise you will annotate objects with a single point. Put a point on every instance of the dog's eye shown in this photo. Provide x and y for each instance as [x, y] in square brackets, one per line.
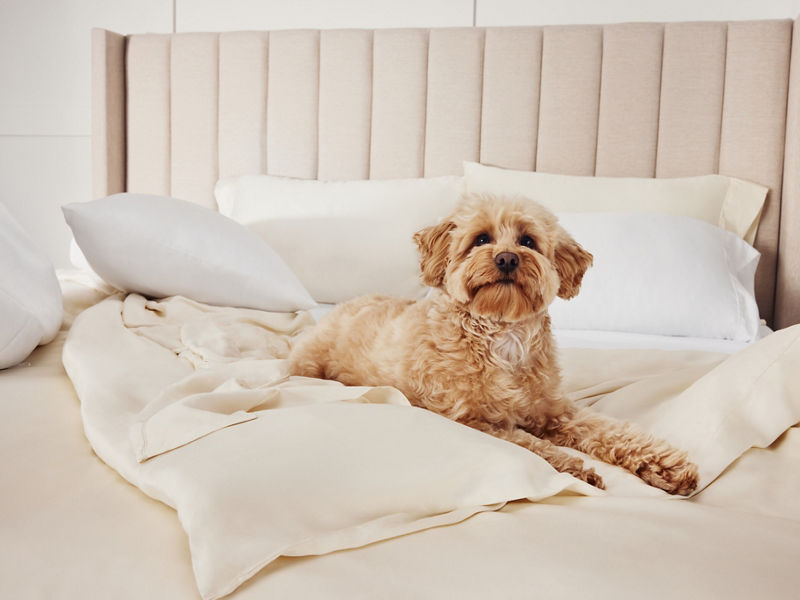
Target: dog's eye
[528, 242]
[481, 239]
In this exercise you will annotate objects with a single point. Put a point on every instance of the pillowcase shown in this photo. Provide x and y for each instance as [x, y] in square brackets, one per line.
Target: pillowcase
[158, 246]
[661, 274]
[342, 238]
[30, 296]
[732, 204]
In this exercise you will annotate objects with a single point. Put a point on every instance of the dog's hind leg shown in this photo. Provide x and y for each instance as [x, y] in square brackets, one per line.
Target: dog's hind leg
[618, 443]
[558, 459]
[308, 358]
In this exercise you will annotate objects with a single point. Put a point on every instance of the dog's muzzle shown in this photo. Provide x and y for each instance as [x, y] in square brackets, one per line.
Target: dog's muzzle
[507, 262]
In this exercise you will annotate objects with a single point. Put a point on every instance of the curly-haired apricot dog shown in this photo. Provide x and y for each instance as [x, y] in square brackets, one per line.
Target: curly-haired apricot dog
[479, 349]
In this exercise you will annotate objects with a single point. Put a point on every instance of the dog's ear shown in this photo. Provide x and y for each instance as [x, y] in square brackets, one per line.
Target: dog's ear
[434, 246]
[571, 262]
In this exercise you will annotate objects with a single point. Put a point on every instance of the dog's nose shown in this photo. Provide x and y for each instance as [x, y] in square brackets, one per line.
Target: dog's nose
[506, 262]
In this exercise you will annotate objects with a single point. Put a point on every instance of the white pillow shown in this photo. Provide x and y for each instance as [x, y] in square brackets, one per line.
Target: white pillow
[159, 247]
[30, 297]
[732, 204]
[342, 238]
[661, 274]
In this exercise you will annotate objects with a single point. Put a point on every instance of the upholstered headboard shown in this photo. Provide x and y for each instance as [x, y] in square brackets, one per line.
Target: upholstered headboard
[173, 113]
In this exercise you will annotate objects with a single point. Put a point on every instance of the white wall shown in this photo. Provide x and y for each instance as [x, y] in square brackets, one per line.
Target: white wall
[569, 12]
[45, 104]
[45, 74]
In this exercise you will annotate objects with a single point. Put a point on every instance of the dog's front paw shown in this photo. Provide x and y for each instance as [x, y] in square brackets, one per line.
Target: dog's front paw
[588, 475]
[670, 471]
[592, 478]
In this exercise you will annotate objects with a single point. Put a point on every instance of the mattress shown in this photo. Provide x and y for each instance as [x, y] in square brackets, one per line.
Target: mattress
[84, 531]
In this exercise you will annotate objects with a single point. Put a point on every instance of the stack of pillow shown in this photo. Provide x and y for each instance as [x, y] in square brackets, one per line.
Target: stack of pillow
[672, 256]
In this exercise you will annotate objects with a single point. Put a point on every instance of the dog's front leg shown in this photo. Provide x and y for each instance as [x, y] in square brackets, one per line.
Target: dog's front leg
[618, 443]
[558, 459]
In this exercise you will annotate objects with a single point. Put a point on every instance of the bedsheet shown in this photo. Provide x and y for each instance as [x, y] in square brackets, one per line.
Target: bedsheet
[72, 528]
[715, 407]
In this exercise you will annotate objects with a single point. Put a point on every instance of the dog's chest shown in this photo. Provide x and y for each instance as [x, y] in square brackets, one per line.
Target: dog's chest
[509, 347]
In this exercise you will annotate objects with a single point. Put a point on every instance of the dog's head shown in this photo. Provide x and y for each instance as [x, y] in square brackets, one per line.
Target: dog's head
[502, 258]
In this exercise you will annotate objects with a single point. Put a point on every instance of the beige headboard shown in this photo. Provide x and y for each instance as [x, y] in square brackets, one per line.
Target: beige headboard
[173, 113]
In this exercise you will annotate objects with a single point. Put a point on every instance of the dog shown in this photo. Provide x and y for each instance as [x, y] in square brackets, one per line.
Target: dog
[479, 348]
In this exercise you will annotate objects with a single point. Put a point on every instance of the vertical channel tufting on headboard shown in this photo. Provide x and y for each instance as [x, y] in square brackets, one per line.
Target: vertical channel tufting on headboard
[194, 85]
[108, 113]
[692, 87]
[570, 96]
[399, 103]
[345, 104]
[243, 75]
[455, 85]
[512, 74]
[293, 103]
[644, 99]
[787, 303]
[148, 120]
[630, 90]
[754, 126]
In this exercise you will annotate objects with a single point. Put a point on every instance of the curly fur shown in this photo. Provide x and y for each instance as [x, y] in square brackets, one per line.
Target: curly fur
[479, 348]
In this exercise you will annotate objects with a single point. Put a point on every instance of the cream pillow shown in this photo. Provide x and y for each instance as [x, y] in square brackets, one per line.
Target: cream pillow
[731, 204]
[342, 238]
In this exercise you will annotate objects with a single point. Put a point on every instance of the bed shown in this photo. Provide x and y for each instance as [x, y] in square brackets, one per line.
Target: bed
[249, 488]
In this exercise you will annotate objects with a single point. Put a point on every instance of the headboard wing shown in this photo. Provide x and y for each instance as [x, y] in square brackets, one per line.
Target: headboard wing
[639, 99]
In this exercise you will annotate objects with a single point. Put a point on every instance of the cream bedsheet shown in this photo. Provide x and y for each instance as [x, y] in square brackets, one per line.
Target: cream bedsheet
[258, 466]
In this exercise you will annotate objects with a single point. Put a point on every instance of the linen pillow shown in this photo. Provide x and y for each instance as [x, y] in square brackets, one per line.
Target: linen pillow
[732, 204]
[342, 238]
[30, 297]
[159, 246]
[661, 274]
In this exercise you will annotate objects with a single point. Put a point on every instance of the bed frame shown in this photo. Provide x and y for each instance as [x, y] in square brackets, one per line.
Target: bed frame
[173, 113]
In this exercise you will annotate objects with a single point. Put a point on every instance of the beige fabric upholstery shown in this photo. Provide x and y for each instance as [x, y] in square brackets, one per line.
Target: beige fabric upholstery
[455, 85]
[194, 85]
[242, 116]
[787, 301]
[690, 111]
[511, 78]
[292, 103]
[399, 100]
[345, 104]
[648, 99]
[627, 128]
[753, 127]
[148, 126]
[569, 102]
[108, 113]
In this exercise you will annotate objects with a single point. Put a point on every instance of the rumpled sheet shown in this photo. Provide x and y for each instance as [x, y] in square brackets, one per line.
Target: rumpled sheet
[192, 404]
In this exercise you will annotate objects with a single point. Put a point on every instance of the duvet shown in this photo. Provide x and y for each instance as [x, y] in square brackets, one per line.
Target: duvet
[192, 404]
